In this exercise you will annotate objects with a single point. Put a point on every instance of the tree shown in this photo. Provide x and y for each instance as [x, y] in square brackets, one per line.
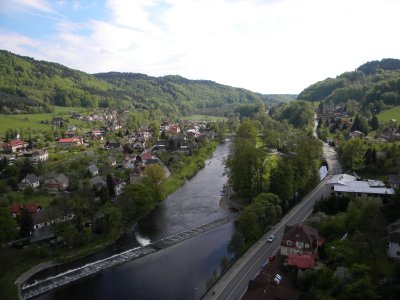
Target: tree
[245, 162]
[352, 153]
[137, 202]
[110, 185]
[8, 227]
[374, 123]
[154, 178]
[26, 225]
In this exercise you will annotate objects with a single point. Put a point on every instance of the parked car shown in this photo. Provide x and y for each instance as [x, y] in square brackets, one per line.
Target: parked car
[271, 238]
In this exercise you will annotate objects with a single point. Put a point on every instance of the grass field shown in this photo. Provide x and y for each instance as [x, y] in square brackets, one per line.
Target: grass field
[387, 115]
[32, 121]
[204, 118]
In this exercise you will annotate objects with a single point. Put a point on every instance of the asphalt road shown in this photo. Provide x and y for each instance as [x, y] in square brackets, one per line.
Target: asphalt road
[233, 284]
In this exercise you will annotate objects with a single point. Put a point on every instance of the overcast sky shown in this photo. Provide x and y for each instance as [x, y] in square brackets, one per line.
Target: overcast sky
[267, 46]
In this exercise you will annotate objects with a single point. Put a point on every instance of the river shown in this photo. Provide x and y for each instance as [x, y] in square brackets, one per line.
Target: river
[178, 272]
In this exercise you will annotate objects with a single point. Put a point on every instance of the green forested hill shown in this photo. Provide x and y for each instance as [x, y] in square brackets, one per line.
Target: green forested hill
[374, 84]
[30, 86]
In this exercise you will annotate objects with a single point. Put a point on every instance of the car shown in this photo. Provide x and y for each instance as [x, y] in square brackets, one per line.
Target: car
[271, 238]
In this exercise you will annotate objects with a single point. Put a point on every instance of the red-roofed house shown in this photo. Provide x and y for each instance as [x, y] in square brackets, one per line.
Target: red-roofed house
[301, 261]
[145, 156]
[66, 143]
[16, 208]
[174, 129]
[14, 146]
[299, 239]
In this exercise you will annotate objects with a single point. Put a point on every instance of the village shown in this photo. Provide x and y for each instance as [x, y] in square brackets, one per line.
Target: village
[41, 183]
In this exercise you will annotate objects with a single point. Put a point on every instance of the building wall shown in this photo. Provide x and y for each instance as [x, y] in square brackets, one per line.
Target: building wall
[394, 250]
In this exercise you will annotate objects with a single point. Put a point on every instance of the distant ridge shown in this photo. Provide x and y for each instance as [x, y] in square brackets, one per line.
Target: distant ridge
[31, 86]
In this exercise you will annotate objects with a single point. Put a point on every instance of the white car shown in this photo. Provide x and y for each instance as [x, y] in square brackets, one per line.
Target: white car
[271, 238]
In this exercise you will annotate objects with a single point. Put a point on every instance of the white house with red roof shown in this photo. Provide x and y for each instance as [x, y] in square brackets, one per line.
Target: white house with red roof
[14, 146]
[69, 142]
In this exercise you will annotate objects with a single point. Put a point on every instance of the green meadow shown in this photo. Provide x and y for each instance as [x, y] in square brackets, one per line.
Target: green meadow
[387, 115]
[204, 118]
[32, 121]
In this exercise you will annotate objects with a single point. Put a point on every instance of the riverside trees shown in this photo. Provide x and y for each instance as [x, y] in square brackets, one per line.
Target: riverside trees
[271, 182]
[245, 162]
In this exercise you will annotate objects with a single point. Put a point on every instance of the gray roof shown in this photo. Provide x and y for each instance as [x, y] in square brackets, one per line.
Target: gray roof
[61, 178]
[97, 180]
[93, 169]
[32, 178]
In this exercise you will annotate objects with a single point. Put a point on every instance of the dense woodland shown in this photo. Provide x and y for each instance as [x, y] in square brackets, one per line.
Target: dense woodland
[31, 86]
[374, 85]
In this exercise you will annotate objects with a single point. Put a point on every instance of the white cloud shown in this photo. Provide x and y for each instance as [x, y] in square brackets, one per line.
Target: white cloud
[26, 6]
[272, 46]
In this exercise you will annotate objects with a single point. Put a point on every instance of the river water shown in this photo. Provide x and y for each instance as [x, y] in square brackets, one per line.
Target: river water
[178, 272]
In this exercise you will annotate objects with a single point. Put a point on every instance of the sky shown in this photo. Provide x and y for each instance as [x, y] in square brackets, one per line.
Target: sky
[266, 46]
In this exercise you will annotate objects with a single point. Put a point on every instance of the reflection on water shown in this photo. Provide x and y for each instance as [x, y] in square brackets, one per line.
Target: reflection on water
[178, 272]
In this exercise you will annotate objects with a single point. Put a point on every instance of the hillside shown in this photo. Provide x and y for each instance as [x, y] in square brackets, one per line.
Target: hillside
[31, 86]
[375, 86]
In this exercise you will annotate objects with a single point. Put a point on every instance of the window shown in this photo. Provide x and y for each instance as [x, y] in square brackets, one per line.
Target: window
[306, 245]
[289, 242]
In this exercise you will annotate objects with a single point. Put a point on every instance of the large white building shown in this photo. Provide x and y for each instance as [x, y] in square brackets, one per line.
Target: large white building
[348, 185]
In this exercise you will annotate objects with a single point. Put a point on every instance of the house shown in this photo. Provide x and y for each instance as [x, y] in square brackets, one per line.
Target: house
[301, 261]
[119, 186]
[355, 134]
[344, 184]
[145, 156]
[300, 239]
[92, 170]
[37, 155]
[14, 146]
[59, 122]
[30, 180]
[17, 208]
[97, 182]
[69, 142]
[57, 182]
[394, 181]
[394, 239]
[159, 146]
[49, 216]
[174, 129]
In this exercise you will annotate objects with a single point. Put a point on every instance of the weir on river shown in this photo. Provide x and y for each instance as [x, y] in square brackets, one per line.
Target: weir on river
[42, 286]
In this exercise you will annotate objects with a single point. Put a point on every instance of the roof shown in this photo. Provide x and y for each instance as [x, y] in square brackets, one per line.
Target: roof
[146, 155]
[31, 207]
[14, 143]
[300, 232]
[301, 261]
[32, 178]
[93, 169]
[341, 179]
[363, 187]
[69, 140]
[96, 180]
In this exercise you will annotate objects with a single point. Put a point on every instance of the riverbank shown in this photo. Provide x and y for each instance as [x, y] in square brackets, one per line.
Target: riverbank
[192, 165]
[230, 200]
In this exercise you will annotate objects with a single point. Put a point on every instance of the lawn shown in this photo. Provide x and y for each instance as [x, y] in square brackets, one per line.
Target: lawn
[387, 115]
[204, 118]
[32, 121]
